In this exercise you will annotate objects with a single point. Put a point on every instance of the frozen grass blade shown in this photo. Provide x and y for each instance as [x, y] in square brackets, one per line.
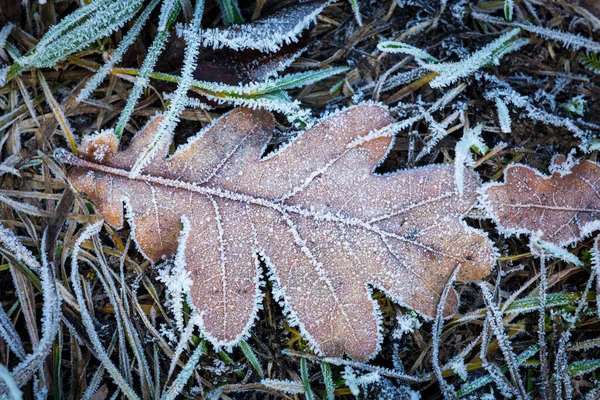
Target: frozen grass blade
[438, 326]
[77, 31]
[24, 371]
[251, 357]
[543, 288]
[230, 12]
[117, 55]
[569, 40]
[509, 9]
[305, 380]
[185, 373]
[495, 320]
[10, 335]
[169, 14]
[166, 129]
[12, 390]
[356, 9]
[328, 379]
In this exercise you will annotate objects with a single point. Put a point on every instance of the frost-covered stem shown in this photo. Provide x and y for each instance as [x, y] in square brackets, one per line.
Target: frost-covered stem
[169, 14]
[117, 55]
[575, 42]
[495, 372]
[438, 325]
[354, 364]
[8, 386]
[503, 116]
[542, 329]
[185, 373]
[185, 337]
[355, 8]
[495, 319]
[561, 363]
[230, 12]
[50, 310]
[86, 318]
[10, 335]
[167, 126]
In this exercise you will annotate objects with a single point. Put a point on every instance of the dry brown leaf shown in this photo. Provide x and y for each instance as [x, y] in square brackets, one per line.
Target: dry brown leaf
[328, 229]
[564, 207]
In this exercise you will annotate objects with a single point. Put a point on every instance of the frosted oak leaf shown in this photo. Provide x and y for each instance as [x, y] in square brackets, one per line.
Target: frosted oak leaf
[564, 207]
[328, 229]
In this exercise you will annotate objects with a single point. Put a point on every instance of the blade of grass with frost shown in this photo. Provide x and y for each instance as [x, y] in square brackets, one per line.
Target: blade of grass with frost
[490, 54]
[221, 90]
[170, 15]
[10, 335]
[355, 8]
[398, 47]
[251, 357]
[123, 323]
[230, 12]
[327, 377]
[494, 318]
[478, 383]
[12, 390]
[569, 40]
[308, 393]
[285, 386]
[76, 32]
[509, 8]
[266, 35]
[117, 55]
[167, 126]
[503, 116]
[185, 373]
[581, 367]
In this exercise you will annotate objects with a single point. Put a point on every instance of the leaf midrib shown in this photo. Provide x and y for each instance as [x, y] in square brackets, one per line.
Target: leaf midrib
[247, 199]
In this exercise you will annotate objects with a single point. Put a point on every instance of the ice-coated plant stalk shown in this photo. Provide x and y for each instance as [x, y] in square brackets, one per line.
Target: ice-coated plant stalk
[169, 14]
[117, 55]
[177, 103]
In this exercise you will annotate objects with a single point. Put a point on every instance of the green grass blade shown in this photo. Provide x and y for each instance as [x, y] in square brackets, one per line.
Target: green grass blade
[230, 12]
[251, 357]
[304, 373]
[328, 378]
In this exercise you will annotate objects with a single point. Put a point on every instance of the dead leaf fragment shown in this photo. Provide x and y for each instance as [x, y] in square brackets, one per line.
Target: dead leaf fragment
[565, 206]
[328, 229]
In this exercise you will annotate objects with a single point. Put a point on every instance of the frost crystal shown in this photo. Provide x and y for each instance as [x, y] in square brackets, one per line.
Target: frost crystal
[406, 323]
[503, 116]
[463, 157]
[355, 382]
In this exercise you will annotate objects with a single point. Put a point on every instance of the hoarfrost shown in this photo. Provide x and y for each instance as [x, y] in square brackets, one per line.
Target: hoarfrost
[285, 386]
[463, 157]
[355, 382]
[406, 323]
[266, 35]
